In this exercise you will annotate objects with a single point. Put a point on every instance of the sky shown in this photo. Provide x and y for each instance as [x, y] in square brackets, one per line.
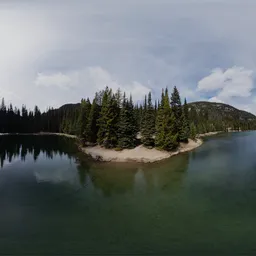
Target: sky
[59, 51]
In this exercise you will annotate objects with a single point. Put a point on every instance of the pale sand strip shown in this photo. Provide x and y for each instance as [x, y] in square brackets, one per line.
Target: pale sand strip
[138, 154]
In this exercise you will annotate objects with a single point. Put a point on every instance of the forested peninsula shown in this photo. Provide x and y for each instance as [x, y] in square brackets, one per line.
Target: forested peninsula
[112, 125]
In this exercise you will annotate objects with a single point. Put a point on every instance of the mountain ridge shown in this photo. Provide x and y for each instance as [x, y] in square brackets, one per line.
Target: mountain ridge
[199, 106]
[221, 110]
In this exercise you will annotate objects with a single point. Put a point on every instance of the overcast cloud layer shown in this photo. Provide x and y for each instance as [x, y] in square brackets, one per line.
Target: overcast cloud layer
[55, 52]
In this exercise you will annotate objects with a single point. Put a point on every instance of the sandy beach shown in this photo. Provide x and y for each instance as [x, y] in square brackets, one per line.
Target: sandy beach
[139, 154]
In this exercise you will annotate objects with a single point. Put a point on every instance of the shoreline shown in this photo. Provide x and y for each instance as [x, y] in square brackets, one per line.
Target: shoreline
[139, 154]
[42, 134]
[202, 135]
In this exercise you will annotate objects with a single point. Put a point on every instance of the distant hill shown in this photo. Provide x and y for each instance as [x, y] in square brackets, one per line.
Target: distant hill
[215, 111]
[220, 111]
[206, 116]
[70, 106]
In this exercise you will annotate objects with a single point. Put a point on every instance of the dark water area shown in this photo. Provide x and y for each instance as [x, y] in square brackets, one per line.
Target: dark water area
[55, 201]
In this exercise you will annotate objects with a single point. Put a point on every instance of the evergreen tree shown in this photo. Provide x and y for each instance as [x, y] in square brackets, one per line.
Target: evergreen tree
[111, 138]
[177, 111]
[155, 112]
[118, 96]
[37, 121]
[3, 117]
[30, 121]
[171, 139]
[133, 122]
[170, 135]
[143, 116]
[193, 131]
[92, 128]
[185, 108]
[151, 115]
[103, 118]
[3, 107]
[127, 125]
[83, 117]
[10, 116]
[24, 118]
[148, 130]
[107, 134]
[160, 126]
[166, 137]
[185, 132]
[137, 116]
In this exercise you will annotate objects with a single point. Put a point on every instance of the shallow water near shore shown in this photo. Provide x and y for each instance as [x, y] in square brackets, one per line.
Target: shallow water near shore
[56, 201]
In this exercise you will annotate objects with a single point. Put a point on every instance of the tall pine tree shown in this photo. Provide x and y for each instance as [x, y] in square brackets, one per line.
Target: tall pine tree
[166, 137]
[193, 131]
[127, 125]
[148, 130]
[185, 132]
[108, 120]
[177, 111]
[92, 127]
[103, 118]
[83, 117]
[160, 129]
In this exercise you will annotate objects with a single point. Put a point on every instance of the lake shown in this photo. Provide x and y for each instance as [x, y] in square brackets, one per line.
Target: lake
[54, 200]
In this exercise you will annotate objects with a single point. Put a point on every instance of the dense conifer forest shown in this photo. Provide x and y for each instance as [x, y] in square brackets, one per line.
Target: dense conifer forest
[113, 120]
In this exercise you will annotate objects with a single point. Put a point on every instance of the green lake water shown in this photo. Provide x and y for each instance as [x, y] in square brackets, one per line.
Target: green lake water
[55, 201]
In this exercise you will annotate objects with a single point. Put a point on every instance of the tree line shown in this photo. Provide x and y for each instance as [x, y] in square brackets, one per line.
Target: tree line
[113, 120]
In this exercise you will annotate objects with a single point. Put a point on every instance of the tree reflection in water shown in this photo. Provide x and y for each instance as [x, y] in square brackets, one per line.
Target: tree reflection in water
[15, 146]
[107, 179]
[120, 178]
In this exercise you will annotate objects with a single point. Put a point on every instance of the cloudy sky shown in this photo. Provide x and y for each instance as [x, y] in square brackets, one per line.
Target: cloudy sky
[55, 52]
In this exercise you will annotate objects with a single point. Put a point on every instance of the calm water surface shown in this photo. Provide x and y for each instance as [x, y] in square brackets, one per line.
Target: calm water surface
[53, 200]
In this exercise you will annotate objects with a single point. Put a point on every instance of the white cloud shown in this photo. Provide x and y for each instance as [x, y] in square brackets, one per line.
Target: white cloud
[54, 175]
[57, 79]
[233, 86]
[27, 35]
[45, 46]
[234, 82]
[238, 82]
[212, 82]
[215, 99]
[90, 80]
